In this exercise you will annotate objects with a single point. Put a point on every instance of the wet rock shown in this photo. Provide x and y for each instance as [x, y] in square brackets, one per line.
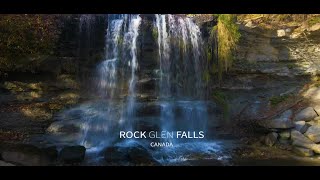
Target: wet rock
[313, 133]
[306, 114]
[147, 84]
[303, 151]
[52, 152]
[115, 155]
[285, 134]
[2, 163]
[271, 139]
[67, 127]
[73, 154]
[282, 122]
[134, 155]
[139, 155]
[301, 126]
[26, 155]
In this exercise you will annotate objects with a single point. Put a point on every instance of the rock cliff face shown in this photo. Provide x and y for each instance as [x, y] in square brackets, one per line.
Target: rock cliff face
[282, 52]
[271, 63]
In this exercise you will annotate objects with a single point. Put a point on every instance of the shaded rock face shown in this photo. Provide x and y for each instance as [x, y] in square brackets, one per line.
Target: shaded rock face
[276, 52]
[29, 155]
[73, 154]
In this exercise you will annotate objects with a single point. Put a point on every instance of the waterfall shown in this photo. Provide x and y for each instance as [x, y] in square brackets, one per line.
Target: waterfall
[131, 41]
[174, 102]
[179, 46]
[121, 38]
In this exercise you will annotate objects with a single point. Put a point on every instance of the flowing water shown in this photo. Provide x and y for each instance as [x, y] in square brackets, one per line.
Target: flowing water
[181, 91]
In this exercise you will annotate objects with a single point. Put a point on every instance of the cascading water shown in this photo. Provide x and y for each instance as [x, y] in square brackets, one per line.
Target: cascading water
[185, 36]
[99, 121]
[131, 41]
[180, 95]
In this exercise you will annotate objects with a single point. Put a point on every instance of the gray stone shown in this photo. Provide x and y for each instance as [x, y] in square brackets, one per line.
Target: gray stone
[313, 133]
[297, 136]
[2, 163]
[301, 126]
[306, 114]
[285, 134]
[271, 139]
[303, 151]
[300, 140]
[72, 154]
[317, 118]
[282, 122]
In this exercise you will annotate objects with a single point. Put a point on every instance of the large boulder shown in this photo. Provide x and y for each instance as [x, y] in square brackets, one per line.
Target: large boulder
[139, 155]
[300, 140]
[313, 133]
[282, 122]
[297, 136]
[132, 155]
[271, 139]
[2, 163]
[306, 114]
[27, 155]
[303, 151]
[301, 126]
[115, 155]
[73, 154]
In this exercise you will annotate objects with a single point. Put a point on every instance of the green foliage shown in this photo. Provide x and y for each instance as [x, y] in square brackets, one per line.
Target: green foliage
[314, 20]
[221, 99]
[25, 39]
[275, 100]
[228, 37]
